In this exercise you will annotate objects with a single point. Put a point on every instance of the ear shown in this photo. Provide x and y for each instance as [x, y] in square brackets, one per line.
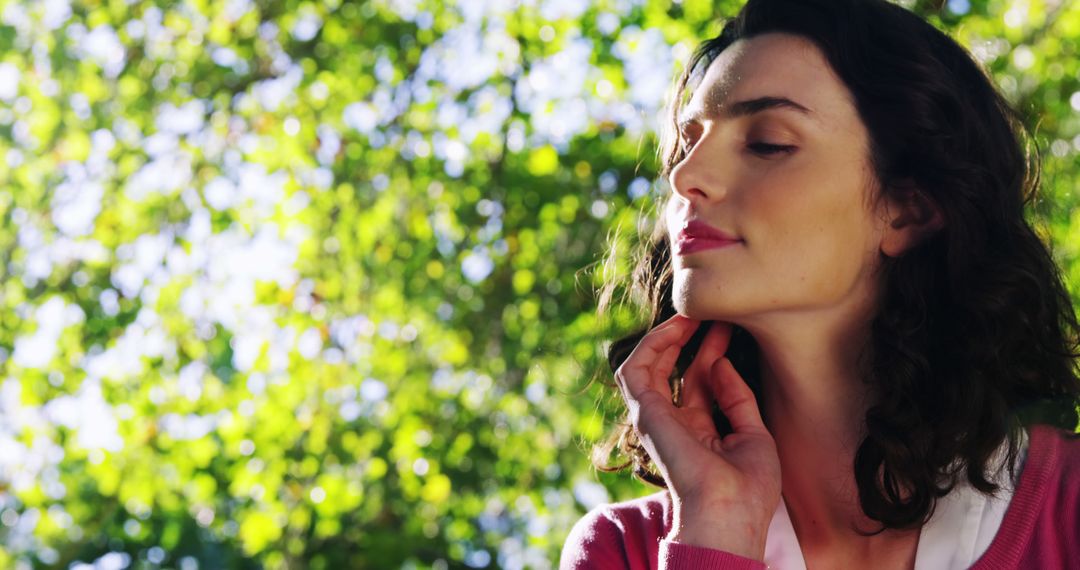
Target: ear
[910, 219]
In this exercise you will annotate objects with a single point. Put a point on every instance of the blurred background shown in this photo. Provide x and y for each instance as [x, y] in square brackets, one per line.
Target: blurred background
[296, 284]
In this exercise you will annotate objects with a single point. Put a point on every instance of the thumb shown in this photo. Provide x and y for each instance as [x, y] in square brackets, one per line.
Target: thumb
[737, 402]
[698, 375]
[715, 343]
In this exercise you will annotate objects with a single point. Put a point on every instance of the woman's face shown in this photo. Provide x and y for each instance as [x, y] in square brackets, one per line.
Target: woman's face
[778, 159]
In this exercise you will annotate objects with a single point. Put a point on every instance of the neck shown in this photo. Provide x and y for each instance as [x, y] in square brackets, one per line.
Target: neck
[814, 403]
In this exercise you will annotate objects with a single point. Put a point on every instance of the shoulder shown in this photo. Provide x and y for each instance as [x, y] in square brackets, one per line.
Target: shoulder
[1047, 501]
[1050, 468]
[1056, 450]
[1060, 457]
[619, 535]
[1044, 504]
[1042, 521]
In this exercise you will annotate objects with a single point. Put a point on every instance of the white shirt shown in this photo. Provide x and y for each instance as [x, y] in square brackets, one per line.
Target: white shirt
[962, 527]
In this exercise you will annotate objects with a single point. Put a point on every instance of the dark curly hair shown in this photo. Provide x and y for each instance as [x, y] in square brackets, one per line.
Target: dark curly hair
[976, 335]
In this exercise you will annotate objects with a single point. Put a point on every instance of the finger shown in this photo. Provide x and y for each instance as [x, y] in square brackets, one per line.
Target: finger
[661, 370]
[697, 392]
[650, 363]
[716, 341]
[668, 441]
[735, 398]
[633, 395]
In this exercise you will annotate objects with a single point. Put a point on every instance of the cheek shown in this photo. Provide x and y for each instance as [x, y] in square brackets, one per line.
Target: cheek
[824, 200]
[815, 229]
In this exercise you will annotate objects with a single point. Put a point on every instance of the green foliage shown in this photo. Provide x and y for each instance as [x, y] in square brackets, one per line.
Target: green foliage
[296, 284]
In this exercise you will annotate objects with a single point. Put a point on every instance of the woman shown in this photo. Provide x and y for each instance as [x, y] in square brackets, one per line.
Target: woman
[857, 341]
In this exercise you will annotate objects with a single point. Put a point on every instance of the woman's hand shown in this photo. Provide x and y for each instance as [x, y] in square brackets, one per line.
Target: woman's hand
[724, 490]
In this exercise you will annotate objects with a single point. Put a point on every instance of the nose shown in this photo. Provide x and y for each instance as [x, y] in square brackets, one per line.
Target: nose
[698, 176]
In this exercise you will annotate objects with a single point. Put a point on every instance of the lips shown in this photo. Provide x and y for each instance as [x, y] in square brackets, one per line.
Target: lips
[697, 236]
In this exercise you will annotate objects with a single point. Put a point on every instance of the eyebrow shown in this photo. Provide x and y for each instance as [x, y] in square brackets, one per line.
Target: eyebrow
[743, 108]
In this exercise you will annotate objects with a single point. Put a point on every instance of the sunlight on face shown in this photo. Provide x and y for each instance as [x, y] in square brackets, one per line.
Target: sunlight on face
[777, 158]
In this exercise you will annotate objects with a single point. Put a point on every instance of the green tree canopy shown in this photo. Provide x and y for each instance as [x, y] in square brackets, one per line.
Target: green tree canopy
[300, 284]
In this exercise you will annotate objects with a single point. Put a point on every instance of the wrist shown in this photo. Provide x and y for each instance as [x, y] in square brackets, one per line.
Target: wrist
[742, 536]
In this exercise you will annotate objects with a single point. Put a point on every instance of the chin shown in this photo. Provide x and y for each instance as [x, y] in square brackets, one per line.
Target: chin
[697, 312]
[694, 304]
[706, 300]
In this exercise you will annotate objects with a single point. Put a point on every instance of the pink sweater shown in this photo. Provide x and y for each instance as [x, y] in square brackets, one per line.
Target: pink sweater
[1041, 528]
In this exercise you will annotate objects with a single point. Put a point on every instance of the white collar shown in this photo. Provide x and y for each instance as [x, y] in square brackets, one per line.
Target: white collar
[962, 527]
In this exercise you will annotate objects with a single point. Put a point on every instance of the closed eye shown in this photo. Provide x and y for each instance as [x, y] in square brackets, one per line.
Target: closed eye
[759, 148]
[768, 149]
